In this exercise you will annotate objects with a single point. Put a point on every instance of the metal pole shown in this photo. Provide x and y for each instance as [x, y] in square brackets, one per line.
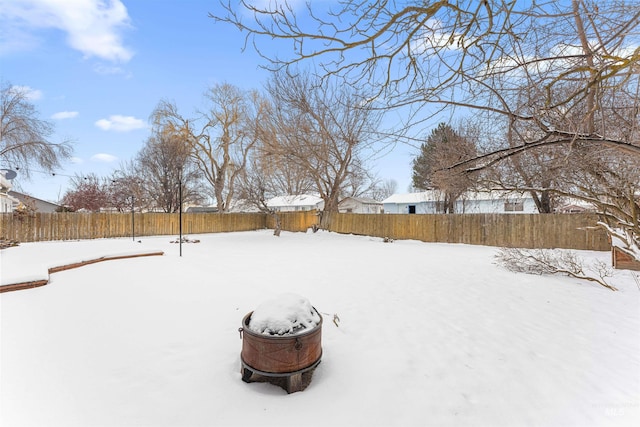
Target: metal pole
[133, 219]
[180, 215]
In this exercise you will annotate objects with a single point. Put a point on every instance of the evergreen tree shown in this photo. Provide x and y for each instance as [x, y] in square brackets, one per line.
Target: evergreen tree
[443, 148]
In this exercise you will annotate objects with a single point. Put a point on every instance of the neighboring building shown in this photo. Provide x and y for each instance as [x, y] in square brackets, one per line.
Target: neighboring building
[202, 209]
[576, 206]
[7, 202]
[410, 203]
[496, 201]
[303, 202]
[35, 204]
[360, 205]
[431, 202]
[243, 206]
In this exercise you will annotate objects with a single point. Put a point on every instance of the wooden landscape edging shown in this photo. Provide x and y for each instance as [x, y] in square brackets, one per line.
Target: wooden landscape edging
[37, 283]
[104, 258]
[623, 261]
[23, 285]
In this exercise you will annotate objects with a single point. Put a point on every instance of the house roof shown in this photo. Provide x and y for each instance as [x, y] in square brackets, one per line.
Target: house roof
[571, 202]
[25, 198]
[242, 205]
[424, 196]
[363, 200]
[294, 200]
[202, 209]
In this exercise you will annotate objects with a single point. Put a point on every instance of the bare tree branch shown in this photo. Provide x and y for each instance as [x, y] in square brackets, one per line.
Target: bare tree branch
[24, 137]
[549, 261]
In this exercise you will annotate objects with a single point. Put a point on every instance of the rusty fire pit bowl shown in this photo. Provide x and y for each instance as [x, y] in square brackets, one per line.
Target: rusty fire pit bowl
[280, 356]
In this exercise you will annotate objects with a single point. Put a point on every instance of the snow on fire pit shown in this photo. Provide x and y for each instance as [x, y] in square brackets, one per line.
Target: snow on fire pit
[287, 314]
[282, 339]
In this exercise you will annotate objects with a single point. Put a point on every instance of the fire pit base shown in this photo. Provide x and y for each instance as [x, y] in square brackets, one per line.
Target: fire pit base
[290, 381]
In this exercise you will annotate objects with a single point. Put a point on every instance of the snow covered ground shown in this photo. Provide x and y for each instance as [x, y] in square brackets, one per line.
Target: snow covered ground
[430, 334]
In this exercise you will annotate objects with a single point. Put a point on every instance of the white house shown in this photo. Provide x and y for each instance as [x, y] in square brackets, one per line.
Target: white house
[7, 202]
[292, 203]
[360, 205]
[431, 202]
[412, 203]
[575, 206]
[35, 204]
[242, 206]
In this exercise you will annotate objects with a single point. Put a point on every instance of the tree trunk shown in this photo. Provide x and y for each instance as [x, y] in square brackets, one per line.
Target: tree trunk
[278, 226]
[542, 200]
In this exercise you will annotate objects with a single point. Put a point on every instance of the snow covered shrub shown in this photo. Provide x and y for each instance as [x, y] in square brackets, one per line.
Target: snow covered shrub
[552, 261]
[287, 314]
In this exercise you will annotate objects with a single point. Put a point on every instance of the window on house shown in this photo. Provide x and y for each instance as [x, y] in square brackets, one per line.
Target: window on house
[514, 206]
[440, 207]
[412, 209]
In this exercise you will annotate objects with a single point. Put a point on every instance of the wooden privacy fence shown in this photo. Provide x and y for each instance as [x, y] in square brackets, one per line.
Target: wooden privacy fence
[72, 226]
[544, 231]
[294, 221]
[575, 231]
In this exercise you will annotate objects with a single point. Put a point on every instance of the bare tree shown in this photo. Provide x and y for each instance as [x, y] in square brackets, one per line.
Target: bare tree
[127, 188]
[608, 180]
[537, 171]
[24, 137]
[477, 55]
[167, 171]
[257, 185]
[322, 129]
[90, 193]
[269, 175]
[278, 175]
[383, 189]
[220, 139]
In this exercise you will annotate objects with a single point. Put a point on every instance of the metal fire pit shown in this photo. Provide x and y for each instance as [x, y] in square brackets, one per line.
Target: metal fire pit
[275, 356]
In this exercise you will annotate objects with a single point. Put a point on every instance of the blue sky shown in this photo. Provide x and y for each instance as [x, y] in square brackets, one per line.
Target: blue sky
[97, 69]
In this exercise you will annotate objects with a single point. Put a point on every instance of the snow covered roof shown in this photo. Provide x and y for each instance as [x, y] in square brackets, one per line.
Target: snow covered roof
[34, 202]
[423, 196]
[435, 195]
[202, 209]
[243, 205]
[294, 200]
[363, 200]
[495, 195]
[576, 204]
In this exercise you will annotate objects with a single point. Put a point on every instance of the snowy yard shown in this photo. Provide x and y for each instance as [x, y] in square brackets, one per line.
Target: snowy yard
[430, 334]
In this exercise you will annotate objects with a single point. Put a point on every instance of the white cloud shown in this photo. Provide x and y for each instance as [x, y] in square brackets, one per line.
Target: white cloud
[93, 27]
[76, 160]
[103, 158]
[28, 92]
[64, 115]
[120, 123]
